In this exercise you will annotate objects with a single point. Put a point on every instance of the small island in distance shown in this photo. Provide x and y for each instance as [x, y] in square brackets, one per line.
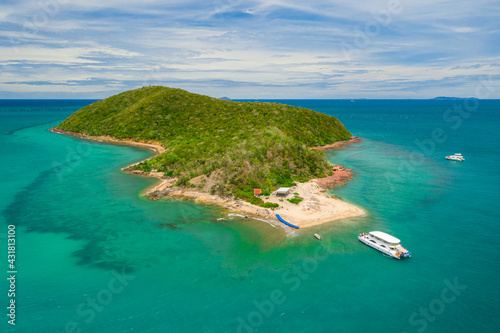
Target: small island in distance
[219, 151]
[444, 98]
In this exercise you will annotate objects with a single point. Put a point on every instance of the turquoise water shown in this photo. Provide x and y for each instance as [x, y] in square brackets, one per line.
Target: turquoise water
[94, 256]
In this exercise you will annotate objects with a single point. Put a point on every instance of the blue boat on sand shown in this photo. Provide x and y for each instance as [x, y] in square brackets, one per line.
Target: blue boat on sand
[285, 222]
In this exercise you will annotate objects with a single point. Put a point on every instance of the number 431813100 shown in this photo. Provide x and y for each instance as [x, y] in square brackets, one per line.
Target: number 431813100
[11, 246]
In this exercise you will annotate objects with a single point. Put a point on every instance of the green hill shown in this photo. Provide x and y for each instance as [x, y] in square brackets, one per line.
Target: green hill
[230, 147]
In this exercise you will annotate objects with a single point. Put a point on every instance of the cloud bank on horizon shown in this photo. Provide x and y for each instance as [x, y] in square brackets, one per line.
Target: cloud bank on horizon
[251, 49]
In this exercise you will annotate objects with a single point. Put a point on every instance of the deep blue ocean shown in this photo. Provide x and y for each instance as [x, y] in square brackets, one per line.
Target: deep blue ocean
[93, 255]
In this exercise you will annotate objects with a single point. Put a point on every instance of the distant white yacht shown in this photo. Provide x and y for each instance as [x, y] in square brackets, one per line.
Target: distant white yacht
[385, 243]
[456, 157]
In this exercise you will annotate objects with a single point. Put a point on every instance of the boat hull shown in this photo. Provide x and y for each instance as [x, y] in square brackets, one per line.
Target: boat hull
[366, 240]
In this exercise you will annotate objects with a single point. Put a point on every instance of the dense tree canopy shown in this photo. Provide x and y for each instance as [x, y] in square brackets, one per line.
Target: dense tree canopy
[247, 145]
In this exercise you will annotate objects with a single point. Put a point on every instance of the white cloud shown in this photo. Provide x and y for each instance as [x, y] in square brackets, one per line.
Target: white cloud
[61, 56]
[121, 42]
[463, 29]
[27, 88]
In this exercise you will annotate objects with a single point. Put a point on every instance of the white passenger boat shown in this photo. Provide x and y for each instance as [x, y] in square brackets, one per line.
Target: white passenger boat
[385, 243]
[456, 157]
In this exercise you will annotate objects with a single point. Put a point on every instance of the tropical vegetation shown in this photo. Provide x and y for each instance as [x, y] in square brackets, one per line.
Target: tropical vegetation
[225, 147]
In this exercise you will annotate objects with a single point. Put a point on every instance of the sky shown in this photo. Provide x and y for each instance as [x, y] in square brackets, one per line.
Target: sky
[241, 49]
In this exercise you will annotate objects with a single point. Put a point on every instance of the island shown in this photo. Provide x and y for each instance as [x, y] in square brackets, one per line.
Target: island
[444, 98]
[233, 154]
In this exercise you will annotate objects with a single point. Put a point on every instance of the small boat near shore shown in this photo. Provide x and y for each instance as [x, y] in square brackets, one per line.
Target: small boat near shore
[318, 236]
[385, 243]
[456, 157]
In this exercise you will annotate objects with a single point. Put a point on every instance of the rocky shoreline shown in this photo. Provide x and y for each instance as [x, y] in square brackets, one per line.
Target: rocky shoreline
[338, 144]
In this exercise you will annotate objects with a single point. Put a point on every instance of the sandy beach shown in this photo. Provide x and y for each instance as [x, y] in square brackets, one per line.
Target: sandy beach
[316, 208]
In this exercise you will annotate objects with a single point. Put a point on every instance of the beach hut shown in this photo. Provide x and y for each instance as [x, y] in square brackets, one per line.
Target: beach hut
[257, 192]
[283, 191]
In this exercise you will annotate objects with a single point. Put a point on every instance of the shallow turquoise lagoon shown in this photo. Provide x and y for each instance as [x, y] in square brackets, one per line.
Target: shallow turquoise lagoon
[95, 256]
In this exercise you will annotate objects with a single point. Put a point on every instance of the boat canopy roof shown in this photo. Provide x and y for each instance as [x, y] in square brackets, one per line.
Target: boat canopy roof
[385, 237]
